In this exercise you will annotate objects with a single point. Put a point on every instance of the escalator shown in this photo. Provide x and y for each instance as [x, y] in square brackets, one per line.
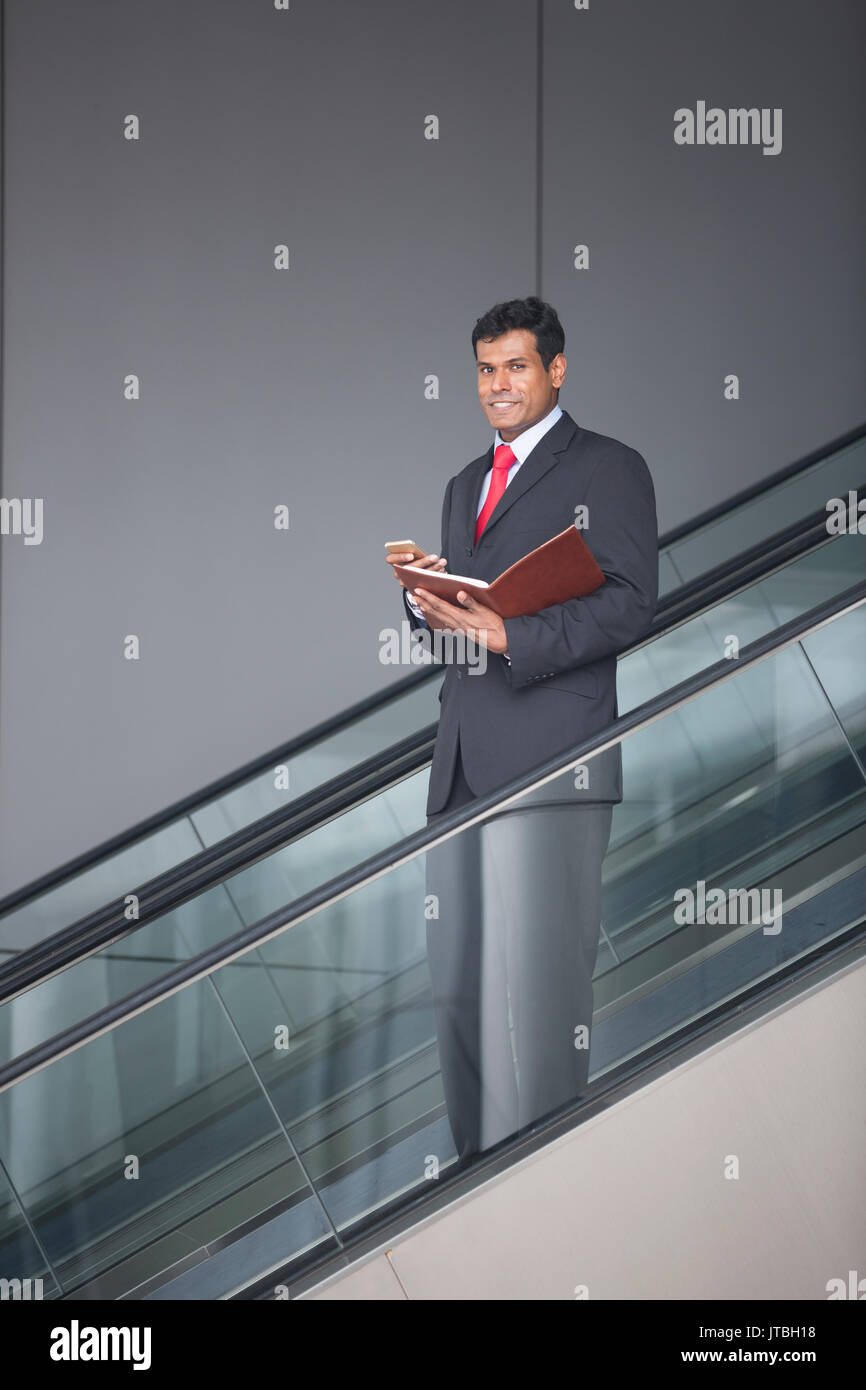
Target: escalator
[699, 564]
[240, 1083]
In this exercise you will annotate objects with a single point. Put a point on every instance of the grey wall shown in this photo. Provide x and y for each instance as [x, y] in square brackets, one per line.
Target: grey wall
[306, 386]
[710, 260]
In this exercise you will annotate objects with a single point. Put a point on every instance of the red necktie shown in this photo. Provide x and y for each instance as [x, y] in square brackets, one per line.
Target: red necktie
[503, 458]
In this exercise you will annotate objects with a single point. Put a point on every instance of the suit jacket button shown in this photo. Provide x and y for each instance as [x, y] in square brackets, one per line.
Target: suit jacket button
[469, 550]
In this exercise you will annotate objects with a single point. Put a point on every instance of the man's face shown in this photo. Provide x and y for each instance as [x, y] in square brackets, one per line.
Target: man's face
[514, 389]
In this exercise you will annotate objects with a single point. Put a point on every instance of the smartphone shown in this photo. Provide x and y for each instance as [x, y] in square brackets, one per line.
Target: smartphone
[404, 547]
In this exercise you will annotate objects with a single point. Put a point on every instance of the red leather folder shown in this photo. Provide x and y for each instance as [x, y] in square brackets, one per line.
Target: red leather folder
[562, 568]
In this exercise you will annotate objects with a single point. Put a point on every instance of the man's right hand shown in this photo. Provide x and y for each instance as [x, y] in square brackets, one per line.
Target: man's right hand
[427, 562]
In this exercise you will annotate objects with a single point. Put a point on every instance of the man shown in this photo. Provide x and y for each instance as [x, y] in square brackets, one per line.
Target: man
[513, 949]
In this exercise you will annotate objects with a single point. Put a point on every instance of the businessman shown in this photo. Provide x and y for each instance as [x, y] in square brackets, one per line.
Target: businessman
[513, 948]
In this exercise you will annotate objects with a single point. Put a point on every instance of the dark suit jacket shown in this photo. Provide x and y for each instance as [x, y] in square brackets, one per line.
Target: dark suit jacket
[561, 685]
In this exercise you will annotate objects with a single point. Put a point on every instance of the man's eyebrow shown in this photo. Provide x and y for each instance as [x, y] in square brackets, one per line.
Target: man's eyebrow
[508, 363]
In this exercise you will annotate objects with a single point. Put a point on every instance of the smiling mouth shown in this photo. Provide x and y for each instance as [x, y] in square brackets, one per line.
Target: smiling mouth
[503, 405]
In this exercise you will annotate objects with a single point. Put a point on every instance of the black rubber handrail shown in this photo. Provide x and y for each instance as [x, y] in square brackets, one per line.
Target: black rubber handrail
[209, 867]
[752, 564]
[748, 494]
[206, 962]
[210, 792]
[177, 809]
[212, 866]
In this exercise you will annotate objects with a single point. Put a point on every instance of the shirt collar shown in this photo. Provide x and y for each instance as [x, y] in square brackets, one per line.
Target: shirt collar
[523, 445]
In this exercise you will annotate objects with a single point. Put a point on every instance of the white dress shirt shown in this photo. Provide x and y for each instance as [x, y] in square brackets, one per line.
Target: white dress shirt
[521, 447]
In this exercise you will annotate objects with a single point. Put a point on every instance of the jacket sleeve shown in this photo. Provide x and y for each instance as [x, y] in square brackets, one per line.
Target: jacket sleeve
[622, 533]
[416, 622]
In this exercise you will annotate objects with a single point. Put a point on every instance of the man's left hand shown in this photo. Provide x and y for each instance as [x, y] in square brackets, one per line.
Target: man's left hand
[485, 627]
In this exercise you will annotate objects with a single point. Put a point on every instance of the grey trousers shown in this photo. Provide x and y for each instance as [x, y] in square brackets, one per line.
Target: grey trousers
[511, 955]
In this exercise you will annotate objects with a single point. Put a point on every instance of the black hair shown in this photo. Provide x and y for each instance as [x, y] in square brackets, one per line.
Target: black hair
[540, 318]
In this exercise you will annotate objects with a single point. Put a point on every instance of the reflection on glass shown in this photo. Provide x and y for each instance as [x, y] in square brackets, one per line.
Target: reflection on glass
[434, 1012]
[838, 654]
[150, 1143]
[24, 1272]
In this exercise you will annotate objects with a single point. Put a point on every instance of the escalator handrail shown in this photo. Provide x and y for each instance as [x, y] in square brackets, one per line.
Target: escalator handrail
[751, 565]
[211, 866]
[411, 846]
[195, 800]
[748, 494]
[230, 780]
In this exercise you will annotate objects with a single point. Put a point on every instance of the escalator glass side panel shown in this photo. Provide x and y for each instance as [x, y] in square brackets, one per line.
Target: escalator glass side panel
[436, 1010]
[23, 1266]
[156, 1136]
[765, 515]
[173, 844]
[56, 908]
[311, 767]
[404, 714]
[838, 655]
[726, 801]
[374, 824]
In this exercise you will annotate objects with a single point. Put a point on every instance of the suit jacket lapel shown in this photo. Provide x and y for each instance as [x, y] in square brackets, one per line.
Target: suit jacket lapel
[480, 468]
[465, 505]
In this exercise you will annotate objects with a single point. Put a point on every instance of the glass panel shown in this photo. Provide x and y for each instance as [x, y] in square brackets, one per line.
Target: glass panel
[405, 714]
[24, 1273]
[838, 654]
[752, 613]
[756, 762]
[140, 1150]
[154, 854]
[375, 824]
[268, 885]
[339, 844]
[668, 577]
[816, 578]
[456, 999]
[311, 767]
[755, 521]
[107, 975]
[449, 1005]
[79, 896]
